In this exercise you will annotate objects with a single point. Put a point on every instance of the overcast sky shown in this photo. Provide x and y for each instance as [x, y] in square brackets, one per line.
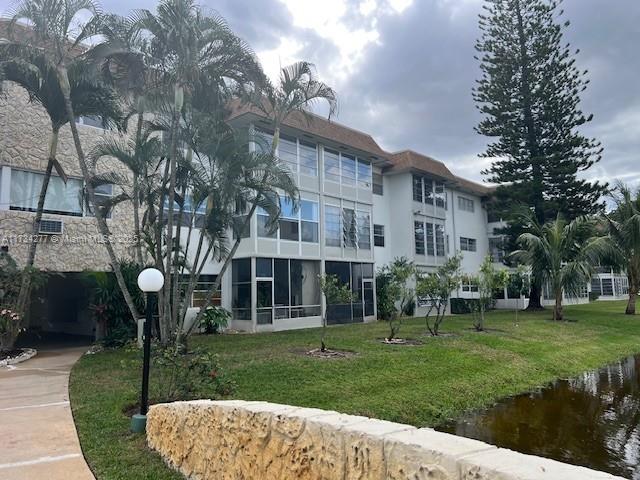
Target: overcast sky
[404, 69]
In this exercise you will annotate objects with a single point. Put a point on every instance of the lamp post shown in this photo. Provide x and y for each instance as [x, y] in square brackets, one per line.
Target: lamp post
[150, 282]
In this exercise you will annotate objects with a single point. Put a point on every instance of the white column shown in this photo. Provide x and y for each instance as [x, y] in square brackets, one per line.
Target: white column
[5, 187]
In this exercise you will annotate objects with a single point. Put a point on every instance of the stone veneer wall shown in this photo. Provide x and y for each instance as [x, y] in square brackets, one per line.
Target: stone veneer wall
[257, 440]
[25, 132]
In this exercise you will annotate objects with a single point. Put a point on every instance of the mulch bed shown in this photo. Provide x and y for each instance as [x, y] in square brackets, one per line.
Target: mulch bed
[328, 354]
[17, 355]
[10, 353]
[402, 342]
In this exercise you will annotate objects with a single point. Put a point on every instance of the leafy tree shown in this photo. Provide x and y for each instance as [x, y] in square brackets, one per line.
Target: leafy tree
[561, 255]
[397, 294]
[622, 243]
[529, 95]
[58, 35]
[436, 289]
[335, 293]
[489, 279]
[90, 96]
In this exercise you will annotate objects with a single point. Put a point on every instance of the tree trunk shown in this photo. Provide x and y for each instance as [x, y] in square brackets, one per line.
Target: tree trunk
[22, 305]
[534, 298]
[136, 195]
[63, 79]
[557, 309]
[631, 305]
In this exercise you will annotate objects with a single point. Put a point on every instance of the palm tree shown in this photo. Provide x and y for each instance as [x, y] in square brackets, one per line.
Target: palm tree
[59, 36]
[623, 238]
[190, 51]
[89, 96]
[561, 255]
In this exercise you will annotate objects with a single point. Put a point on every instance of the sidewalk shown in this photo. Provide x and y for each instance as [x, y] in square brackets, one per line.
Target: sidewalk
[37, 432]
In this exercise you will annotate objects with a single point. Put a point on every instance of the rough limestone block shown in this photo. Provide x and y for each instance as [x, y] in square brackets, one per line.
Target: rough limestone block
[364, 448]
[426, 454]
[503, 464]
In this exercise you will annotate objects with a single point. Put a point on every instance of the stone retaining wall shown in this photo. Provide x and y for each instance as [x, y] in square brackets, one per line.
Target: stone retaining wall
[257, 440]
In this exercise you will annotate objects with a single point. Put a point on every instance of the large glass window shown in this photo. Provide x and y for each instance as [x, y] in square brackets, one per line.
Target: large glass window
[364, 230]
[331, 165]
[364, 174]
[417, 188]
[308, 158]
[241, 288]
[264, 141]
[428, 191]
[607, 287]
[348, 169]
[466, 204]
[430, 239]
[289, 227]
[264, 312]
[440, 195]
[265, 230]
[201, 291]
[418, 232]
[349, 228]
[309, 221]
[288, 152]
[332, 226]
[60, 199]
[440, 246]
[359, 277]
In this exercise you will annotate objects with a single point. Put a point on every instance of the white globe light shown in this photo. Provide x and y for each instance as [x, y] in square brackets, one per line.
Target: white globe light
[150, 280]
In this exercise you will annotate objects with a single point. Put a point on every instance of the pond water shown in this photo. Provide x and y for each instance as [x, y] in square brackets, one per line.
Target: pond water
[592, 420]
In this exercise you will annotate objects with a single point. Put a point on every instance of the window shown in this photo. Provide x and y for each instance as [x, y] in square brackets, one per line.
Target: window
[607, 287]
[349, 228]
[595, 286]
[468, 244]
[348, 169]
[60, 199]
[440, 195]
[364, 230]
[359, 277]
[308, 159]
[440, 251]
[265, 230]
[417, 188]
[332, 226]
[309, 221]
[466, 204]
[468, 286]
[264, 141]
[364, 174]
[331, 166]
[287, 289]
[200, 292]
[91, 121]
[241, 288]
[431, 251]
[288, 152]
[418, 232]
[240, 216]
[496, 249]
[103, 194]
[288, 223]
[378, 235]
[378, 188]
[428, 191]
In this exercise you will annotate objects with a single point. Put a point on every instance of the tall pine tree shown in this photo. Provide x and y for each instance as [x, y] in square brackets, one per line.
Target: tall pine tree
[529, 95]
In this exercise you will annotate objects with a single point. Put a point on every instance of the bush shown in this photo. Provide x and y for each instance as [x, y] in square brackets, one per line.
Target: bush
[184, 376]
[215, 319]
[593, 296]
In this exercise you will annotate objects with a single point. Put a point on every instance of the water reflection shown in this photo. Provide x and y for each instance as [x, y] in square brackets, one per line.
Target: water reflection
[592, 420]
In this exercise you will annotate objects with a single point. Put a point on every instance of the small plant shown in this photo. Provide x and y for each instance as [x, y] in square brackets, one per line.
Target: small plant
[518, 286]
[435, 288]
[214, 320]
[183, 376]
[335, 293]
[488, 280]
[395, 295]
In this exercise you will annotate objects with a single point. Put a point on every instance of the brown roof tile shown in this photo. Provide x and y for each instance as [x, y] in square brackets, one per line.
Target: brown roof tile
[410, 160]
[320, 127]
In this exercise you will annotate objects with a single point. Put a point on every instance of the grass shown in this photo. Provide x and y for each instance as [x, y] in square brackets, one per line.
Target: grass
[420, 385]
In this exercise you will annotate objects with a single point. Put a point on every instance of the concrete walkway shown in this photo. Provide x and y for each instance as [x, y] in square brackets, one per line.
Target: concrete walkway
[37, 435]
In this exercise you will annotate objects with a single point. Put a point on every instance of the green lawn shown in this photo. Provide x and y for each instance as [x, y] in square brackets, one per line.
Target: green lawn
[421, 385]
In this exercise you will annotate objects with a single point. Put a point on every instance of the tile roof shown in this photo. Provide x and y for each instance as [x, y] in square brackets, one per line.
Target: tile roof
[410, 160]
[320, 127]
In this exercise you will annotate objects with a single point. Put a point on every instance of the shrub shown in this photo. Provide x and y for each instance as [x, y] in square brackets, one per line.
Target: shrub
[593, 296]
[215, 319]
[183, 376]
